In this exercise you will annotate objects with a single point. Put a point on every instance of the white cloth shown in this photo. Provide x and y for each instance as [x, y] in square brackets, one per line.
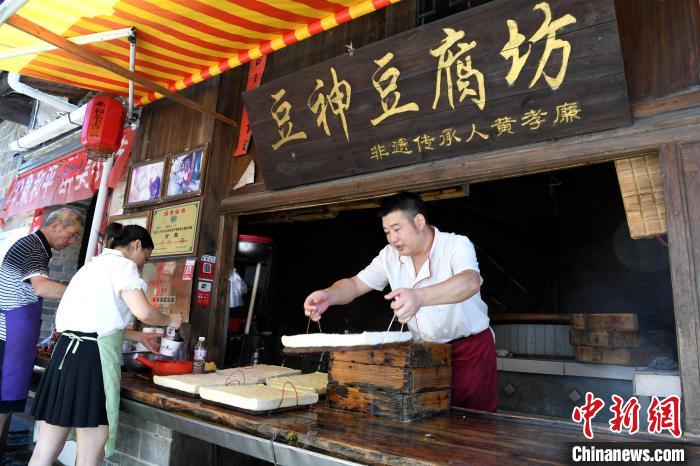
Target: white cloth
[237, 288]
[449, 255]
[92, 301]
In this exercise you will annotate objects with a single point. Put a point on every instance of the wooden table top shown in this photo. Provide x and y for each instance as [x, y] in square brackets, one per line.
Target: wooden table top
[462, 437]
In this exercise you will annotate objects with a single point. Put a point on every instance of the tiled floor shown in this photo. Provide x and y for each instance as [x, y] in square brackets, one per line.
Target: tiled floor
[19, 442]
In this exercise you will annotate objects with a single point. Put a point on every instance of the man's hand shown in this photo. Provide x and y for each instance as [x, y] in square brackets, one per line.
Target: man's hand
[405, 302]
[150, 341]
[316, 304]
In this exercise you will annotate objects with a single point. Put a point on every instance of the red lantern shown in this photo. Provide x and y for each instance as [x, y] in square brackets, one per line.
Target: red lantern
[103, 126]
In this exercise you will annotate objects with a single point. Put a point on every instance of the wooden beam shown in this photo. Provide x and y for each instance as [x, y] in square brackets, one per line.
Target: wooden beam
[669, 103]
[641, 137]
[92, 58]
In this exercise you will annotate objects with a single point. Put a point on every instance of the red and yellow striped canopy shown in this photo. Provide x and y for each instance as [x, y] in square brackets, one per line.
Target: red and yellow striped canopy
[180, 42]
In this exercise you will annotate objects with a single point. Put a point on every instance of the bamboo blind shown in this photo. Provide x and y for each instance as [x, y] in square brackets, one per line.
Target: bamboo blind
[642, 195]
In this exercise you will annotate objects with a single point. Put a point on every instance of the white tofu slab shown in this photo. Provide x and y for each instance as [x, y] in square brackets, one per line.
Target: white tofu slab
[258, 397]
[316, 381]
[189, 383]
[323, 340]
[256, 374]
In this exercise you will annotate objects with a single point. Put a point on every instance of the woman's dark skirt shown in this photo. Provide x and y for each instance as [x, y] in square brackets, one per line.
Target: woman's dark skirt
[74, 395]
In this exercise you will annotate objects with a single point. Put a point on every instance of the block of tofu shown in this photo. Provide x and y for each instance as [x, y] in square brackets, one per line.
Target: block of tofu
[316, 382]
[256, 374]
[332, 340]
[189, 383]
[258, 397]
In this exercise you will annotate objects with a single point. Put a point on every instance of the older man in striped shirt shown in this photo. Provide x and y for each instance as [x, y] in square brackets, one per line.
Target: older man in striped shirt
[24, 282]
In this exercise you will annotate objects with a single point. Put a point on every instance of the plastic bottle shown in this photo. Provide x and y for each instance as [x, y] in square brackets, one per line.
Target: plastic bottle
[200, 355]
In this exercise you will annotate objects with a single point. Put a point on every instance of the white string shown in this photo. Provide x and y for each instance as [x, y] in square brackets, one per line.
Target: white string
[387, 330]
[320, 361]
[308, 324]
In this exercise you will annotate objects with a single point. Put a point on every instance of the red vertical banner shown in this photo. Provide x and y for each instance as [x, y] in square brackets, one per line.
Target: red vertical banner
[121, 158]
[255, 72]
[38, 220]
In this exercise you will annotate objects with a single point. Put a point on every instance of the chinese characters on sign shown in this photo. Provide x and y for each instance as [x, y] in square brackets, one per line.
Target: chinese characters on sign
[467, 83]
[71, 178]
[549, 28]
[662, 415]
[451, 62]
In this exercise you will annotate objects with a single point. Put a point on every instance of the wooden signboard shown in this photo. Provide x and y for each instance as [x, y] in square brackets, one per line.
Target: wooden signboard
[169, 286]
[499, 75]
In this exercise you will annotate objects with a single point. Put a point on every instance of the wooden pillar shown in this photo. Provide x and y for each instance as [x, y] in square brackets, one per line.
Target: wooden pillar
[218, 318]
[680, 164]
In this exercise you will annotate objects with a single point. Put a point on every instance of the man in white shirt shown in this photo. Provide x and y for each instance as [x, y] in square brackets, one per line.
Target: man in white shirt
[435, 284]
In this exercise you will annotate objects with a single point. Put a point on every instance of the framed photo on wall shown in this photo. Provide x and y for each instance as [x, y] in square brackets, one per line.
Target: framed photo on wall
[145, 182]
[174, 229]
[186, 171]
[141, 218]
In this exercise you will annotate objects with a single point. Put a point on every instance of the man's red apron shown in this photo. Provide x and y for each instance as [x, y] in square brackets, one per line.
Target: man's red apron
[474, 374]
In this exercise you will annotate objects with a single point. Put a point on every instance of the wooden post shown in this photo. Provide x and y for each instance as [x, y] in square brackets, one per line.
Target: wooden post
[94, 59]
[218, 319]
[680, 165]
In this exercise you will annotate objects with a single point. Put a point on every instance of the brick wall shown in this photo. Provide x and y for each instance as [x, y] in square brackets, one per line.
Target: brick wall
[141, 443]
[9, 164]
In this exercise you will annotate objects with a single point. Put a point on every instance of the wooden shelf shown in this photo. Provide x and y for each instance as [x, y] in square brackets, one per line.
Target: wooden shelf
[530, 318]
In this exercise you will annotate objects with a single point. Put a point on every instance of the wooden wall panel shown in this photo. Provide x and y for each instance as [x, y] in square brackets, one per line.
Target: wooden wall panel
[217, 235]
[661, 46]
[167, 126]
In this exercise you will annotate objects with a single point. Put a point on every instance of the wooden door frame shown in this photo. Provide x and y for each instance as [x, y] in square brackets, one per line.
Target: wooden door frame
[683, 249]
[663, 133]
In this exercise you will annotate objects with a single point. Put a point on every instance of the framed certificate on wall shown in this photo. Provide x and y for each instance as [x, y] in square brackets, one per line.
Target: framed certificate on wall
[174, 229]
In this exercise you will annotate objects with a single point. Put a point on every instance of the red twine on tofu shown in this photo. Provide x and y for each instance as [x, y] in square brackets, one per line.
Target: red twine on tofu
[295, 392]
[229, 381]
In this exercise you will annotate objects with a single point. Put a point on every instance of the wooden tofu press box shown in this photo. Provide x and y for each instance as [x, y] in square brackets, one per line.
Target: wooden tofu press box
[403, 381]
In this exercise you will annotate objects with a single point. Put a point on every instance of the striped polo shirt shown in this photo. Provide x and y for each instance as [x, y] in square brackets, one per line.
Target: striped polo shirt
[28, 257]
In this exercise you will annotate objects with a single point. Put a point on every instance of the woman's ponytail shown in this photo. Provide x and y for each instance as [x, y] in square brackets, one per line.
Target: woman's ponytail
[121, 235]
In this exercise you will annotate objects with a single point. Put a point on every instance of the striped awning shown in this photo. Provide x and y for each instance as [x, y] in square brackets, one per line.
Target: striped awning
[180, 42]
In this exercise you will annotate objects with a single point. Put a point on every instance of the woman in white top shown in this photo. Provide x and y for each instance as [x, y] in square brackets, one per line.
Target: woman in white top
[80, 388]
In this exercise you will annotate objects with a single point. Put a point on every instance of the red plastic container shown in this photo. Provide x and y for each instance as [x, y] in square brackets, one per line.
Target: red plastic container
[234, 324]
[166, 367]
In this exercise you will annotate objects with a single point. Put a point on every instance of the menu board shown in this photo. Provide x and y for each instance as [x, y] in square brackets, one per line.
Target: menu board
[174, 229]
[170, 285]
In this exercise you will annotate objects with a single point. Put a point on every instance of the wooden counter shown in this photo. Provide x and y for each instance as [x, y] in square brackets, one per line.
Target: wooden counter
[462, 437]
